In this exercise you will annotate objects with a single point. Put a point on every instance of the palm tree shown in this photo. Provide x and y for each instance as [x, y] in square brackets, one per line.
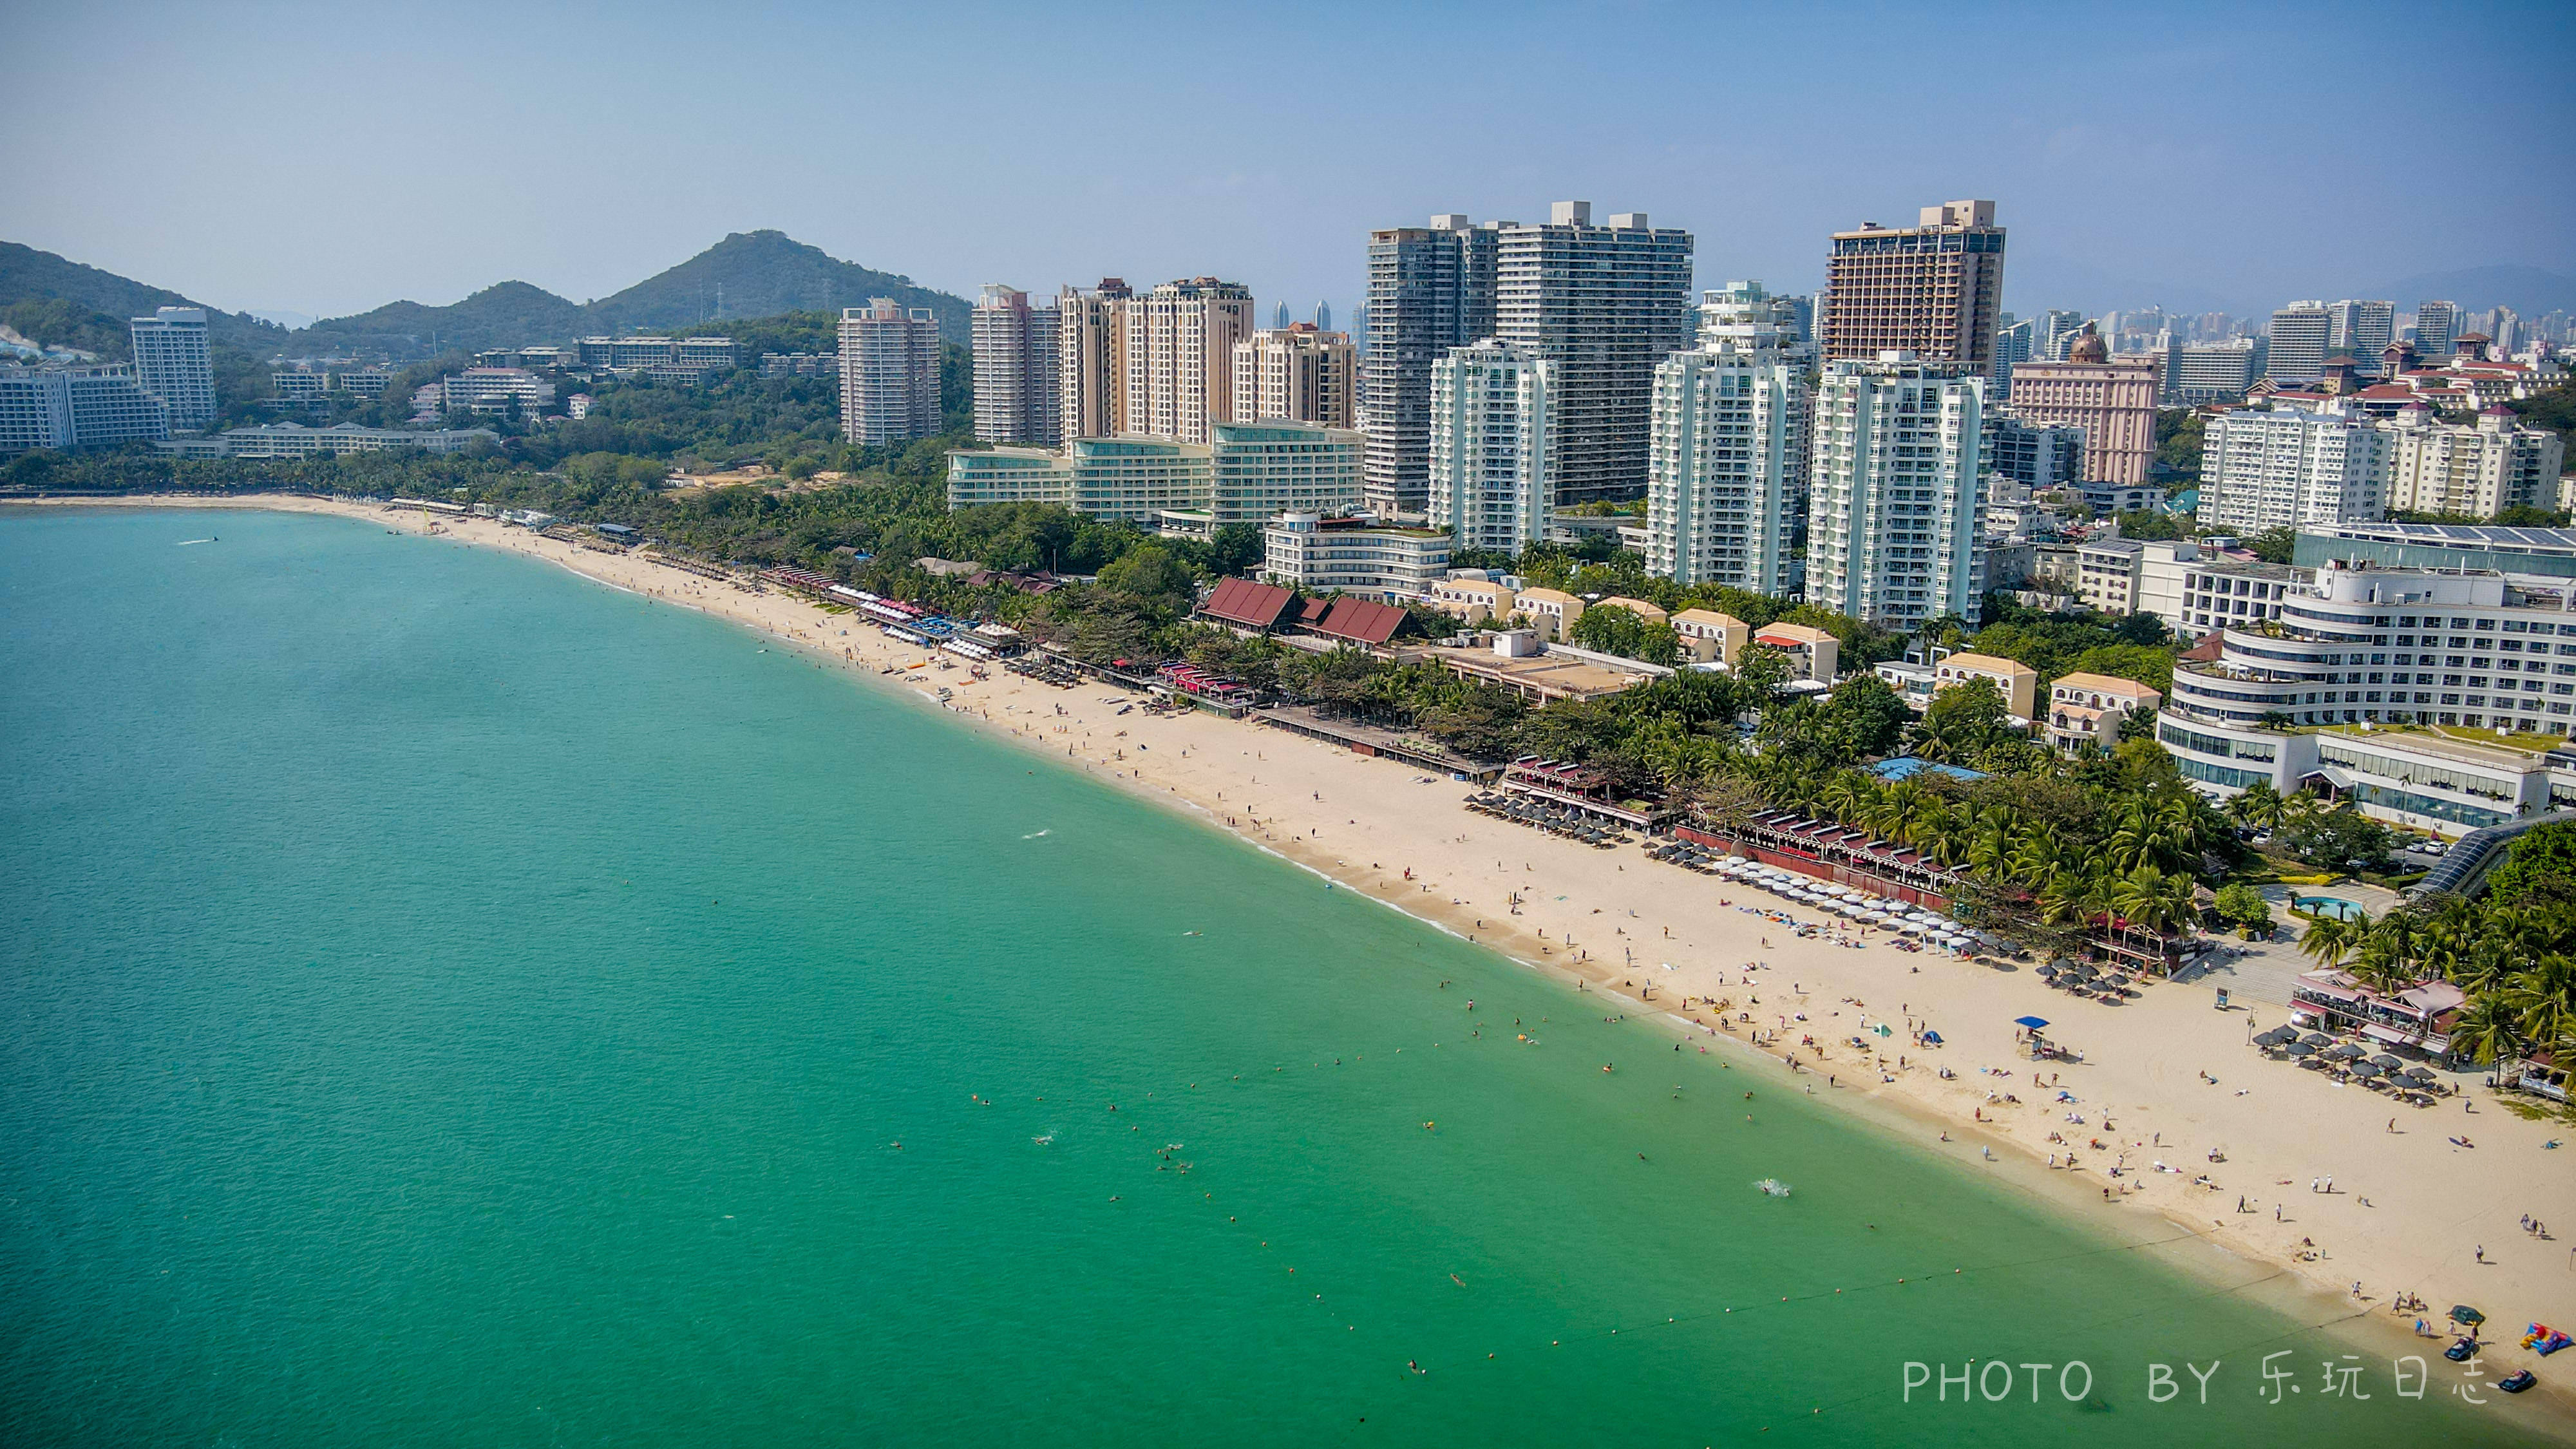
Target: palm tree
[2258, 805]
[2543, 998]
[2489, 1031]
[2328, 939]
[2065, 900]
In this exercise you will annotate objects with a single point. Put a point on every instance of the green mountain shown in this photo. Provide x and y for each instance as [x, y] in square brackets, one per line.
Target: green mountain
[750, 274]
[61, 303]
[506, 314]
[760, 274]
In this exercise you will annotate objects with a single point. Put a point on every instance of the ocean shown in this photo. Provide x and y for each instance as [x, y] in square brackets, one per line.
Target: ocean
[451, 1002]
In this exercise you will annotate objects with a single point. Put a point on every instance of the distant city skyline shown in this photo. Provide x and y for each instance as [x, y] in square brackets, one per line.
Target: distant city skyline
[2133, 155]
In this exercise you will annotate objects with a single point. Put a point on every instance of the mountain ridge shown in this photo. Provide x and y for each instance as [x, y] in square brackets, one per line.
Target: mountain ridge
[64, 303]
[757, 274]
[60, 302]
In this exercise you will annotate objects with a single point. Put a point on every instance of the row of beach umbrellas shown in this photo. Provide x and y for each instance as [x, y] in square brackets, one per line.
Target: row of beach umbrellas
[1850, 902]
[2355, 1058]
[1554, 819]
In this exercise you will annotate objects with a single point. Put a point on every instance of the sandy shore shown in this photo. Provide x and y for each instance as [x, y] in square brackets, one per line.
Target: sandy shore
[2166, 1079]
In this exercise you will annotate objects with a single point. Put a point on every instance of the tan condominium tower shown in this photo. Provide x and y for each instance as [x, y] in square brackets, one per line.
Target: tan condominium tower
[1931, 289]
[1180, 356]
[1160, 364]
[889, 373]
[1301, 373]
[1091, 360]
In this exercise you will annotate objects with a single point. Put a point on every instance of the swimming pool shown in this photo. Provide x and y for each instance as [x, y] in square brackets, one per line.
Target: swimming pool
[2334, 906]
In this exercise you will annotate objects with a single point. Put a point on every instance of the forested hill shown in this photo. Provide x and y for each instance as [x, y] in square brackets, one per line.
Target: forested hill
[756, 274]
[61, 303]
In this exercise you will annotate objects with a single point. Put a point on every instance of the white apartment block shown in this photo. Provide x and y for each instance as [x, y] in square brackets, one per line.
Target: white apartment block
[1893, 479]
[889, 373]
[173, 363]
[1727, 427]
[1322, 554]
[1300, 373]
[2199, 373]
[2284, 467]
[2471, 469]
[66, 409]
[2298, 350]
[2362, 328]
[1492, 432]
[493, 390]
[1091, 360]
[1016, 375]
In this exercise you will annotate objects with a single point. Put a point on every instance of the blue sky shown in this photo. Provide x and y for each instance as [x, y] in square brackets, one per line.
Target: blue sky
[327, 159]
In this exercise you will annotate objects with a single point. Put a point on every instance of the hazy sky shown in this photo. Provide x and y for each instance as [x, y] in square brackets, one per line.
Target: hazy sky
[326, 159]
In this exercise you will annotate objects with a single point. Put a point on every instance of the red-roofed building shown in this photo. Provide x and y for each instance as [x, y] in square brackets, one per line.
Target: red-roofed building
[1247, 605]
[1360, 621]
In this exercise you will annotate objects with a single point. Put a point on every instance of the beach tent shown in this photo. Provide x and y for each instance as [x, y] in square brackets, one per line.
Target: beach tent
[1931, 1038]
[2033, 1022]
[2463, 1313]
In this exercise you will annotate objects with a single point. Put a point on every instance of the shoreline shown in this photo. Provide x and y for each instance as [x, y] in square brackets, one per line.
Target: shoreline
[2394, 1220]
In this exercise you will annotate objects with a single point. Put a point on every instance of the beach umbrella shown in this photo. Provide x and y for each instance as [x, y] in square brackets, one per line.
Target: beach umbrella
[2317, 1039]
[2422, 1076]
[2047, 971]
[2365, 1069]
[2300, 1049]
[2346, 1052]
[2032, 1022]
[2387, 1063]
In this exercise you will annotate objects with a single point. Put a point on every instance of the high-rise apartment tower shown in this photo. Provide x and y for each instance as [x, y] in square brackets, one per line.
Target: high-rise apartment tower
[172, 362]
[1933, 289]
[1016, 376]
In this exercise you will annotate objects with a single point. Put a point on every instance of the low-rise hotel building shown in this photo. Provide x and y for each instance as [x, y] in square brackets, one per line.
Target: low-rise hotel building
[1250, 473]
[1357, 555]
[2325, 697]
[294, 440]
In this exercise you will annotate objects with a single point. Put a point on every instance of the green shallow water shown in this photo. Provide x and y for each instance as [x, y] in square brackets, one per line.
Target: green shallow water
[448, 1002]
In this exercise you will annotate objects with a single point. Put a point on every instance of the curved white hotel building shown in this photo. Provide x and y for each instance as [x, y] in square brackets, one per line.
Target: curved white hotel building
[2323, 697]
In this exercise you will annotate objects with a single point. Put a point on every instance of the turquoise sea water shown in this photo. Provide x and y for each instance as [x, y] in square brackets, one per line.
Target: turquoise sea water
[449, 1002]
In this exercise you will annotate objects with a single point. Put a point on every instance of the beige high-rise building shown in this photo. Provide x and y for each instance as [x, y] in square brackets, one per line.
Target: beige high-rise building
[2113, 399]
[1161, 364]
[889, 373]
[1180, 356]
[1301, 373]
[1932, 289]
[1091, 360]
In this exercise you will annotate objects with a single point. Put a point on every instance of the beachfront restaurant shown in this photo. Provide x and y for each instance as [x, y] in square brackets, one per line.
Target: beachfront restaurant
[2418, 1017]
[1579, 788]
[1832, 852]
